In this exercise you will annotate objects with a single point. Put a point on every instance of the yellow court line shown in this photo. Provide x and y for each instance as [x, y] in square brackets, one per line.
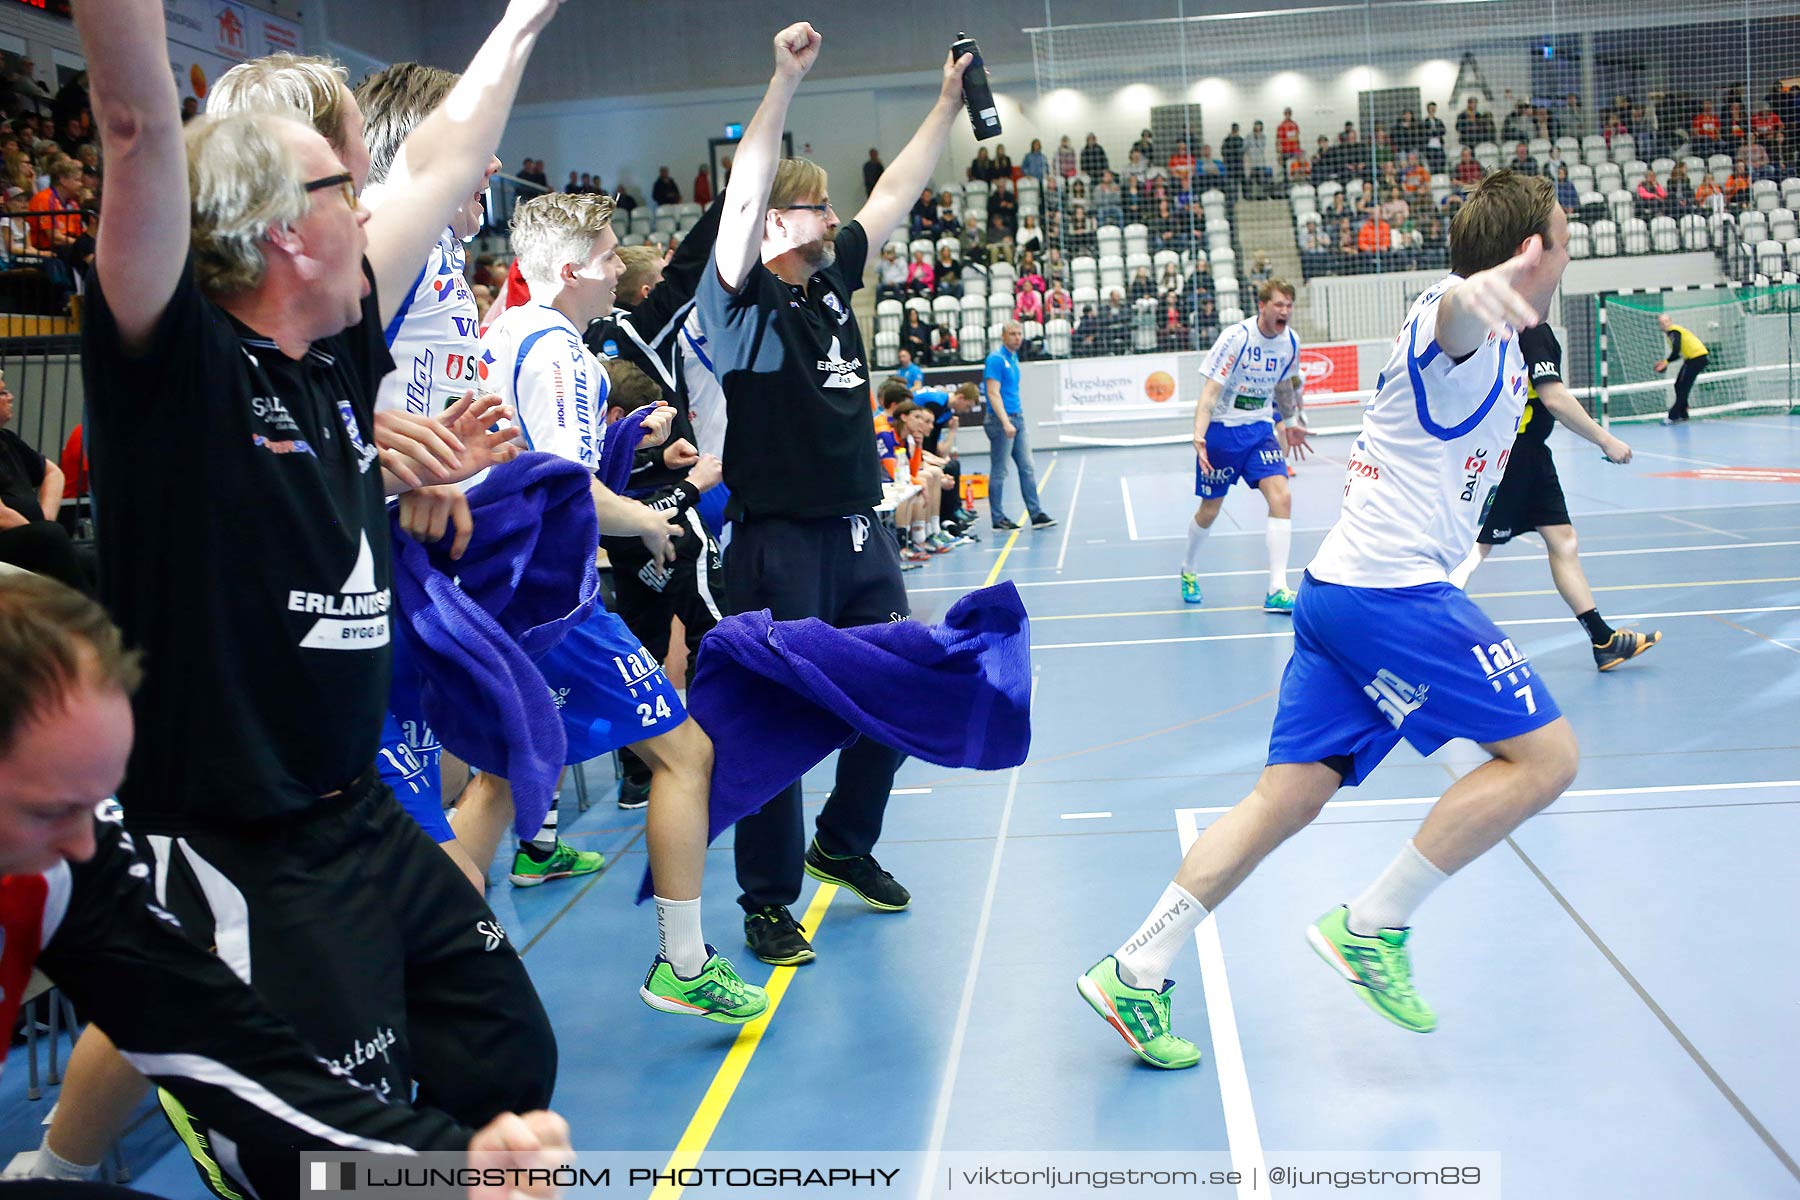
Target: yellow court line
[1007, 549]
[737, 1060]
[1616, 587]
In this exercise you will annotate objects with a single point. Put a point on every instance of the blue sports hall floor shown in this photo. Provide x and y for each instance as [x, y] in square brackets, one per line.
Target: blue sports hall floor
[1616, 984]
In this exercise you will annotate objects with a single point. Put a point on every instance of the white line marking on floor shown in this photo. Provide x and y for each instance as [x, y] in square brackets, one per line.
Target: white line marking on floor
[1228, 1052]
[1093, 816]
[940, 1120]
[1697, 525]
[1069, 517]
[1288, 633]
[1577, 517]
[1130, 516]
[1492, 560]
[910, 792]
[1659, 790]
[1705, 462]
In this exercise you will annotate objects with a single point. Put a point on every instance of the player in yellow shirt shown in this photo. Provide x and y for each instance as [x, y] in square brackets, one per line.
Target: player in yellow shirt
[1692, 353]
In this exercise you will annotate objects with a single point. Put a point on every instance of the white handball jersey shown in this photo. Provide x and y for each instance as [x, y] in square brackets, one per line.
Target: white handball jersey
[706, 399]
[1434, 443]
[536, 362]
[1249, 365]
[433, 337]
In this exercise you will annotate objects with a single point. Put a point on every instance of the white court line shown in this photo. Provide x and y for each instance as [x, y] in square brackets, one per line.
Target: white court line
[1228, 1052]
[1705, 462]
[1093, 816]
[910, 792]
[1579, 516]
[1659, 790]
[1493, 560]
[1069, 517]
[1130, 516]
[940, 1120]
[1288, 633]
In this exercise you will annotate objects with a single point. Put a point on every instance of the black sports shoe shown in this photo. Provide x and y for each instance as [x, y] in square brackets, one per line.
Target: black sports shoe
[1003, 524]
[861, 874]
[1043, 521]
[775, 937]
[1624, 645]
[633, 795]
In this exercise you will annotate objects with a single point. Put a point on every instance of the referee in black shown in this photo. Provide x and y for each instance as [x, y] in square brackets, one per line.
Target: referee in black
[800, 461]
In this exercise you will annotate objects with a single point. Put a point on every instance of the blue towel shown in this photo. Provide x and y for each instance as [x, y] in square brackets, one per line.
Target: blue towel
[776, 697]
[619, 449]
[475, 625]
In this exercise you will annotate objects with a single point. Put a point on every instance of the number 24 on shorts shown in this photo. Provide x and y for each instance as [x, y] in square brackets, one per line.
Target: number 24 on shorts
[650, 716]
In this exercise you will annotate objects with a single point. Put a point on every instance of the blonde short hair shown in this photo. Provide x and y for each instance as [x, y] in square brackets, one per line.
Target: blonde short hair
[306, 83]
[558, 228]
[641, 262]
[795, 178]
[243, 180]
[393, 102]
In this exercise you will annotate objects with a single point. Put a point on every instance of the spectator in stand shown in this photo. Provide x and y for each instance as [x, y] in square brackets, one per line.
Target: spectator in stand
[31, 493]
[579, 184]
[1680, 189]
[1066, 164]
[921, 277]
[1259, 175]
[1058, 302]
[1736, 124]
[1031, 235]
[1433, 137]
[946, 274]
[1029, 305]
[1644, 132]
[1209, 172]
[1093, 158]
[1522, 162]
[1165, 229]
[1473, 126]
[1004, 204]
[1081, 235]
[1374, 238]
[702, 190]
[1034, 164]
[1325, 160]
[665, 190]
[1171, 326]
[1615, 126]
[62, 234]
[1406, 134]
[1170, 279]
[1287, 136]
[19, 252]
[1181, 164]
[1146, 146]
[1705, 130]
[1029, 274]
[1737, 186]
[1109, 201]
[915, 336]
[1566, 196]
[1467, 172]
[872, 170]
[1003, 163]
[537, 175]
[1231, 157]
[1394, 208]
[1573, 119]
[1141, 287]
[982, 168]
[1707, 190]
[1518, 125]
[890, 276]
[923, 218]
[1116, 323]
[908, 371]
[1261, 268]
[1135, 166]
[1204, 328]
[1756, 155]
[1136, 201]
[1299, 169]
[946, 220]
[1652, 197]
[1415, 179]
[1315, 248]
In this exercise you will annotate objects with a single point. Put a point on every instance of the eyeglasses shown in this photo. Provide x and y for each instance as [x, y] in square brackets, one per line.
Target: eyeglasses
[818, 208]
[345, 182]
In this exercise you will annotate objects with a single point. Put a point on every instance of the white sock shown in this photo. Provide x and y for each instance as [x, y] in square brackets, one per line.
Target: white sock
[1466, 568]
[1196, 538]
[1281, 533]
[546, 837]
[45, 1163]
[1390, 900]
[1145, 957]
[678, 935]
[918, 532]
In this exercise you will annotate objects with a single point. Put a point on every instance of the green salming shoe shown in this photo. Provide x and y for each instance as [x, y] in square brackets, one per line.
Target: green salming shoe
[1140, 1015]
[564, 863]
[1280, 601]
[1379, 966]
[716, 993]
[1190, 587]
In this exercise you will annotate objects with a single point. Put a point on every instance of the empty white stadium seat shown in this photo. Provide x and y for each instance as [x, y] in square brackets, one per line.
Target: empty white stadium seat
[1606, 239]
[1665, 235]
[1057, 342]
[1635, 234]
[1581, 243]
[1693, 232]
[888, 315]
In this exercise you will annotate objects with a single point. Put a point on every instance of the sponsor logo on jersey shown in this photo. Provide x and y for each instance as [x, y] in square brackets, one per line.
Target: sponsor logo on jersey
[484, 364]
[272, 410]
[353, 618]
[492, 932]
[837, 307]
[840, 372]
[283, 446]
[1396, 698]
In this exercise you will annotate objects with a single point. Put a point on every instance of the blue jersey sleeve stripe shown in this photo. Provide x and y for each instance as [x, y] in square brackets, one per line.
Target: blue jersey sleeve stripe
[525, 346]
[1415, 364]
[393, 327]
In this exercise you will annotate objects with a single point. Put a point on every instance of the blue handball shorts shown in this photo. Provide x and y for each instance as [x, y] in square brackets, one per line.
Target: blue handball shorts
[610, 690]
[1247, 452]
[1373, 665]
[410, 756]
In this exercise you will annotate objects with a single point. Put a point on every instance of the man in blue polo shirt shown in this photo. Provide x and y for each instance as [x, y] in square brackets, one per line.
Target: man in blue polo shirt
[909, 371]
[1006, 431]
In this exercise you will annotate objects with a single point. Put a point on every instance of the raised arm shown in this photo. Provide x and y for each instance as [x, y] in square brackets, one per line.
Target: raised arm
[753, 171]
[1485, 301]
[907, 175]
[442, 163]
[143, 237]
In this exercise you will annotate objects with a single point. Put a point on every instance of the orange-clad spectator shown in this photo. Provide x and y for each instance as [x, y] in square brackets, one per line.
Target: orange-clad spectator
[1765, 121]
[1287, 135]
[1417, 179]
[1376, 235]
[1707, 190]
[74, 466]
[1706, 126]
[1299, 168]
[1181, 163]
[1738, 183]
[64, 193]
